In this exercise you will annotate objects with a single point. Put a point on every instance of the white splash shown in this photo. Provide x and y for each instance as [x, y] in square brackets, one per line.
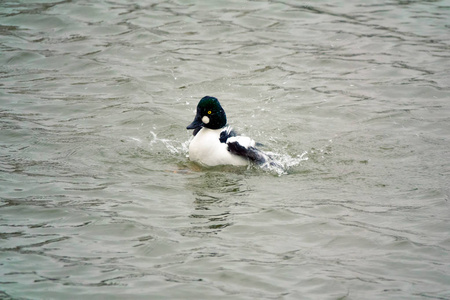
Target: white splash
[169, 144]
[281, 163]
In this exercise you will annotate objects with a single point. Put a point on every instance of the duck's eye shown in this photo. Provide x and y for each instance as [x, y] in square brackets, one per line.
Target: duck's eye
[209, 112]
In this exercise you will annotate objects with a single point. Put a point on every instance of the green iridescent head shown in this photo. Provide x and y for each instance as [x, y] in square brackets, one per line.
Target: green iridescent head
[210, 114]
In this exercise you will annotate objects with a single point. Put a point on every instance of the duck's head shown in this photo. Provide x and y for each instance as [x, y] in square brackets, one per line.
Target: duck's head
[210, 114]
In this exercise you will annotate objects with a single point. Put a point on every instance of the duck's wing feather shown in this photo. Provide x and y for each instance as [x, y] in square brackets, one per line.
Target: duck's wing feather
[252, 153]
[226, 133]
[242, 146]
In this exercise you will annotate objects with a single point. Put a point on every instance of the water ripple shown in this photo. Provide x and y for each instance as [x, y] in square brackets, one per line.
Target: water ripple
[97, 195]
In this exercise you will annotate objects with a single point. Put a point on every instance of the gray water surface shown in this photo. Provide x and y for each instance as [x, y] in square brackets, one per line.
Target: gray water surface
[98, 199]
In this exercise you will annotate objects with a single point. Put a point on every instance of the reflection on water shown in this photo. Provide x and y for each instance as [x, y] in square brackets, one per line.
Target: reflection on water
[98, 197]
[214, 192]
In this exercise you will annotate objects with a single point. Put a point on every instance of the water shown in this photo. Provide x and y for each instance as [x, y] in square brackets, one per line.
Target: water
[98, 199]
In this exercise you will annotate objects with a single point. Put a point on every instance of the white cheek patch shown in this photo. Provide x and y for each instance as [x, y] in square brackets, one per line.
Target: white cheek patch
[205, 119]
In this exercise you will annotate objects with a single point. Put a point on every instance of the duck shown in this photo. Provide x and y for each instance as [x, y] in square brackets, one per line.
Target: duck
[216, 143]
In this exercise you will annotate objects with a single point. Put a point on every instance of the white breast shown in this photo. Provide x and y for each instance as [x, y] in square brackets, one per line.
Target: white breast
[206, 148]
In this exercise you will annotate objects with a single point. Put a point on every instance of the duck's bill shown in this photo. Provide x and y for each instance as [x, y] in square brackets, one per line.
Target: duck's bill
[197, 123]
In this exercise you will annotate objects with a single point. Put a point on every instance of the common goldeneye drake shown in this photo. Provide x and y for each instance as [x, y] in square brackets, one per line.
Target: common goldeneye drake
[215, 143]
